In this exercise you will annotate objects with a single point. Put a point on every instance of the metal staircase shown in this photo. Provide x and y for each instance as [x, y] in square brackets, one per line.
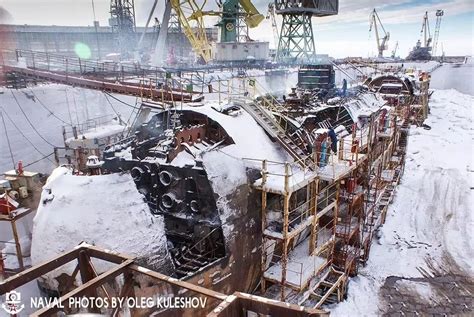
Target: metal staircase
[262, 111]
[329, 289]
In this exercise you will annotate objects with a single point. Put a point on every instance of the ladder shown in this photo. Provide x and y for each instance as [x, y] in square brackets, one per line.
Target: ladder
[293, 144]
[403, 140]
[329, 289]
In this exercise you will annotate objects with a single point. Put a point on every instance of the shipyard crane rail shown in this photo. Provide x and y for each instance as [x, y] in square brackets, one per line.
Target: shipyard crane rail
[375, 22]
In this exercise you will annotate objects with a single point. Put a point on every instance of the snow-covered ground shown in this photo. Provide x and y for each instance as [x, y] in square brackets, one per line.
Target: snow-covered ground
[429, 226]
[452, 76]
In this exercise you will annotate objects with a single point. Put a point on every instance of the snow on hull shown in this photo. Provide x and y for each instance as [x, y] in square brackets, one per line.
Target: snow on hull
[431, 218]
[106, 211]
[225, 167]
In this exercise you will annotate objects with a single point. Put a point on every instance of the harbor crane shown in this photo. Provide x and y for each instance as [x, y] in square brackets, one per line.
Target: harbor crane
[422, 49]
[439, 15]
[122, 21]
[425, 31]
[296, 42]
[272, 17]
[394, 52]
[375, 23]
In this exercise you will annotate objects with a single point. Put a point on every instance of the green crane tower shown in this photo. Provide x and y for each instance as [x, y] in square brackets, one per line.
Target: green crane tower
[296, 42]
[232, 12]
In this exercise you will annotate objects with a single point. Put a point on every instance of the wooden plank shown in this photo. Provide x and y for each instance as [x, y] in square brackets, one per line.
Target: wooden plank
[176, 282]
[30, 274]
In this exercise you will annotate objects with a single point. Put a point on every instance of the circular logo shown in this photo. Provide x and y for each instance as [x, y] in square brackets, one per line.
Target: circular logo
[12, 297]
[229, 26]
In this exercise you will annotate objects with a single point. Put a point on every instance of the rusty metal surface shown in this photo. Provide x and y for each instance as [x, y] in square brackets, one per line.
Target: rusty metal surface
[152, 93]
[237, 304]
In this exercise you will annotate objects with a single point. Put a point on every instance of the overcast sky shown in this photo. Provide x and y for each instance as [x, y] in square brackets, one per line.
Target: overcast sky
[345, 34]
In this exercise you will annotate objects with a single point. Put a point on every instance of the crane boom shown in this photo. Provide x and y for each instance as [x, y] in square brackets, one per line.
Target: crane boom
[271, 16]
[253, 17]
[160, 46]
[394, 52]
[381, 42]
[189, 10]
[439, 14]
[150, 15]
[425, 31]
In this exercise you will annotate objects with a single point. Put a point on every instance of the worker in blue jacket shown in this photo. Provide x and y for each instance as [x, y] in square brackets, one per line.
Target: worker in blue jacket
[333, 137]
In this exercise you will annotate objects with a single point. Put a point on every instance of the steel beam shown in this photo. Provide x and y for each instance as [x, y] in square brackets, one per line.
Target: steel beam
[239, 303]
[176, 282]
[85, 288]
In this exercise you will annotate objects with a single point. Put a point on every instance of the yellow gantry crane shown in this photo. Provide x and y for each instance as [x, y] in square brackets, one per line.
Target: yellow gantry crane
[191, 16]
[374, 24]
[187, 11]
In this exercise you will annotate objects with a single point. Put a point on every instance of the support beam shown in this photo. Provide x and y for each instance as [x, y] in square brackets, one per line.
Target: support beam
[85, 288]
[176, 282]
[33, 273]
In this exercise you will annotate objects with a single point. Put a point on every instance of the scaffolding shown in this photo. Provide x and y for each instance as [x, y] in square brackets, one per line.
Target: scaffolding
[125, 280]
[318, 223]
[12, 218]
[419, 107]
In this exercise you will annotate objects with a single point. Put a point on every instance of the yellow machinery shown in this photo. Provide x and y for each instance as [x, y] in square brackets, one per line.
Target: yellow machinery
[381, 42]
[188, 11]
[253, 17]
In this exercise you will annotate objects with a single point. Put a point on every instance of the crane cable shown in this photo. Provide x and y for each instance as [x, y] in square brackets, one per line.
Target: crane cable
[49, 110]
[111, 106]
[27, 119]
[8, 139]
[68, 106]
[75, 107]
[40, 159]
[127, 104]
[24, 136]
[129, 123]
